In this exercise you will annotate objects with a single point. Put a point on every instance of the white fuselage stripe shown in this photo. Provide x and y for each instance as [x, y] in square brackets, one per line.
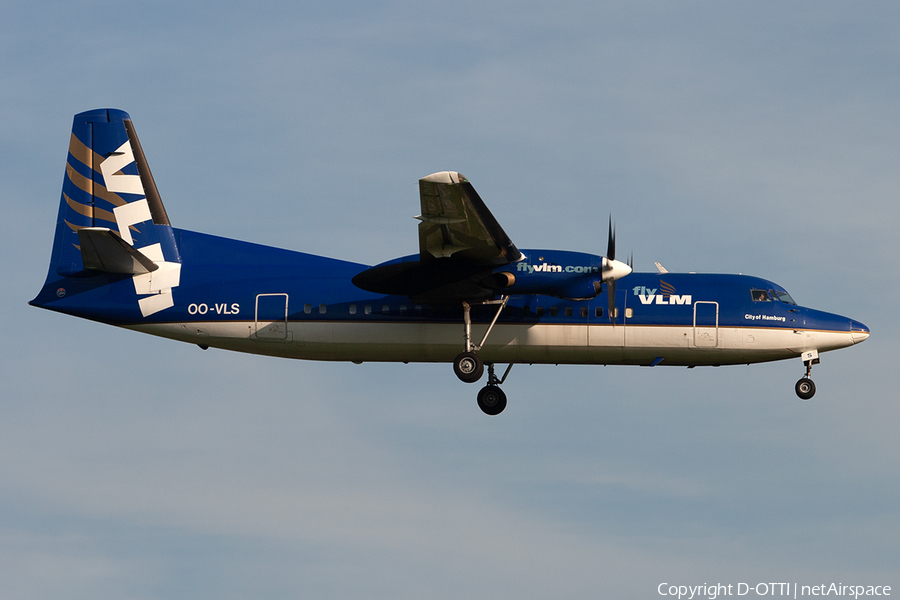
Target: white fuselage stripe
[536, 343]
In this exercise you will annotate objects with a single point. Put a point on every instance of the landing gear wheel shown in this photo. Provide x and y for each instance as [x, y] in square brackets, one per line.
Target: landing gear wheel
[468, 367]
[491, 400]
[805, 388]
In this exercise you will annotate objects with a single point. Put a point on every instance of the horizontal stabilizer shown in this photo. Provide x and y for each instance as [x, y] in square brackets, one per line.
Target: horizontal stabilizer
[103, 250]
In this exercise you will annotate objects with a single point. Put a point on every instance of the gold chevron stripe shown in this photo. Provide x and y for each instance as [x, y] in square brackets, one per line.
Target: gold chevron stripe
[81, 182]
[81, 209]
[75, 227]
[84, 154]
[91, 187]
[84, 209]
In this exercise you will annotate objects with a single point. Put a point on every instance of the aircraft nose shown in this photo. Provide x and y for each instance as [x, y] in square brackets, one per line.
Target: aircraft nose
[858, 332]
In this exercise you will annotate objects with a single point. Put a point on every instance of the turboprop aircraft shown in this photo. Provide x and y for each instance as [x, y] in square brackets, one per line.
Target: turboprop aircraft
[117, 259]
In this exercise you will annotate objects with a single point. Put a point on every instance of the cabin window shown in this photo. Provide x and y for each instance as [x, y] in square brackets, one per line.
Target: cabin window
[584, 312]
[418, 308]
[402, 309]
[760, 296]
[598, 312]
[322, 309]
[568, 311]
[526, 311]
[352, 309]
[629, 312]
[307, 308]
[368, 309]
[385, 309]
[539, 311]
[553, 311]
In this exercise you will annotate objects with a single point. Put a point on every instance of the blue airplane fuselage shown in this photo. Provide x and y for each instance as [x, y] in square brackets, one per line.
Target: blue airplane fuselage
[231, 290]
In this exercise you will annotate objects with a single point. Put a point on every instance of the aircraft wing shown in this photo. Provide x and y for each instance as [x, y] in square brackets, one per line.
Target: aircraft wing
[460, 243]
[456, 223]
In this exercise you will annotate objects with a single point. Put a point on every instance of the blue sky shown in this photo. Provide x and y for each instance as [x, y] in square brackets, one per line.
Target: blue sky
[724, 137]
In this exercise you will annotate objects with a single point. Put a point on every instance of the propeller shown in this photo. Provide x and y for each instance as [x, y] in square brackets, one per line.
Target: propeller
[611, 244]
[613, 270]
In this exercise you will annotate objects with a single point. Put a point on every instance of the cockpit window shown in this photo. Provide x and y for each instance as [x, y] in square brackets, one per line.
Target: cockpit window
[783, 296]
[760, 296]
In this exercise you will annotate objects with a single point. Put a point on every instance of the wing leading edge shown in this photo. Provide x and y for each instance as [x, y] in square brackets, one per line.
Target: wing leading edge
[460, 244]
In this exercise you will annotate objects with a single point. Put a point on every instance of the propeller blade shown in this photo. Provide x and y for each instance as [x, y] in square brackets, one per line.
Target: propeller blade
[611, 244]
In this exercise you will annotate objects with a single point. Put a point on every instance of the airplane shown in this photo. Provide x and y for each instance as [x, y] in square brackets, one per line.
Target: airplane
[468, 297]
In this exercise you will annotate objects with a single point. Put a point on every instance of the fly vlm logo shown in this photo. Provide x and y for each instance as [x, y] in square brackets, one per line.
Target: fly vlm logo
[548, 268]
[156, 286]
[668, 295]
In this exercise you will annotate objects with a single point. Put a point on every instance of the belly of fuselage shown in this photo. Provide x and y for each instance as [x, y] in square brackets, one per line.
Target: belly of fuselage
[508, 343]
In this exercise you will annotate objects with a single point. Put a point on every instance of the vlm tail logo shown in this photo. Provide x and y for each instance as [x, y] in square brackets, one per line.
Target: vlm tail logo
[156, 286]
[668, 295]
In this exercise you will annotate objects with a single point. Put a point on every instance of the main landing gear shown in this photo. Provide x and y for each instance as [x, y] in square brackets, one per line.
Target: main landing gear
[469, 367]
[491, 399]
[805, 388]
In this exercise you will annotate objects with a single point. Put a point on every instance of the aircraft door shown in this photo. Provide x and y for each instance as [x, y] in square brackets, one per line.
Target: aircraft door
[271, 317]
[706, 324]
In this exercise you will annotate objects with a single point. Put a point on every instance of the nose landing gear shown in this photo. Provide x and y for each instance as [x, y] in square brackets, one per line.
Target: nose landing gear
[805, 388]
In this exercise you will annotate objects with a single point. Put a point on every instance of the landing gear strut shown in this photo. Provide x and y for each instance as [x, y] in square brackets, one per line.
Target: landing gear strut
[805, 388]
[469, 367]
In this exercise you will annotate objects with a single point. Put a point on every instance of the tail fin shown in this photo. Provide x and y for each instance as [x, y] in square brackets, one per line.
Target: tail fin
[111, 218]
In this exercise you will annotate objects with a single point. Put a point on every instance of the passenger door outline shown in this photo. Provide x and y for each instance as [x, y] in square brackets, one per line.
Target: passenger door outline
[271, 317]
[706, 325]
